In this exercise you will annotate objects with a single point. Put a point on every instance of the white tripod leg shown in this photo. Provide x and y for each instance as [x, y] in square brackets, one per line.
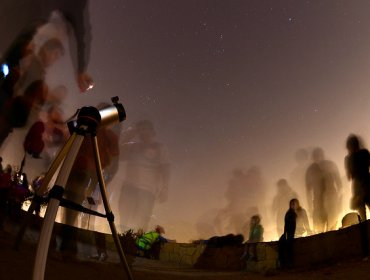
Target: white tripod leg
[108, 210]
[51, 211]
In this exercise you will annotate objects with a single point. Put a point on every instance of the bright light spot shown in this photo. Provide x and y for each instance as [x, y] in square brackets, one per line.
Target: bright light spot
[90, 86]
[5, 69]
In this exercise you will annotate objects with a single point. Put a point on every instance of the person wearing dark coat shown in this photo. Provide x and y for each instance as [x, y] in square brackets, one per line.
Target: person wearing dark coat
[287, 239]
[357, 164]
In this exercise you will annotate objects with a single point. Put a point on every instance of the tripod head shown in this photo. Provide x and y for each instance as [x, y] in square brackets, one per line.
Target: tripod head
[92, 118]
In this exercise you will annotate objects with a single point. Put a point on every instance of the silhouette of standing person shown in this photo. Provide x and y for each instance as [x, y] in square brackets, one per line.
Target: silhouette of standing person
[357, 164]
[297, 176]
[287, 239]
[82, 181]
[323, 187]
[283, 196]
[146, 175]
[302, 223]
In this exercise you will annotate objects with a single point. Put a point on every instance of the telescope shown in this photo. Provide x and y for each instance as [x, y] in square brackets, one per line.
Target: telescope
[93, 117]
[89, 120]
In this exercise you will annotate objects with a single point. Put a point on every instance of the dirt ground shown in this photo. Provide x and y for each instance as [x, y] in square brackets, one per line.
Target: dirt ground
[16, 265]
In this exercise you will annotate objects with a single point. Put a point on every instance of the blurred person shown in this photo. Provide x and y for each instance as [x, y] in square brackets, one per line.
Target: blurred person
[357, 164]
[5, 184]
[245, 197]
[283, 196]
[255, 236]
[24, 108]
[82, 182]
[205, 224]
[41, 141]
[232, 216]
[46, 135]
[297, 176]
[324, 192]
[30, 92]
[147, 172]
[285, 243]
[21, 20]
[302, 222]
[146, 241]
[93, 195]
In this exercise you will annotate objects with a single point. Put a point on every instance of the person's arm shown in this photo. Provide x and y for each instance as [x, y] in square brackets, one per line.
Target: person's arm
[77, 14]
[162, 239]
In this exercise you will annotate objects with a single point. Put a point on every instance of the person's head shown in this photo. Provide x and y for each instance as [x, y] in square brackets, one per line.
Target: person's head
[145, 130]
[282, 186]
[353, 143]
[294, 204]
[255, 220]
[159, 229]
[51, 51]
[318, 155]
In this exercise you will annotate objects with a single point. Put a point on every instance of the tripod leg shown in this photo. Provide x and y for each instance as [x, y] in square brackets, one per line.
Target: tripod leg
[56, 163]
[108, 210]
[41, 191]
[51, 212]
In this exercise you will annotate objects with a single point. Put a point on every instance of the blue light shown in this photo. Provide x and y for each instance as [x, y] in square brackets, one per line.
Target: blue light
[5, 69]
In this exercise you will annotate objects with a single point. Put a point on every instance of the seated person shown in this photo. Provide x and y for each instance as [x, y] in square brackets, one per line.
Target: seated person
[147, 242]
[255, 236]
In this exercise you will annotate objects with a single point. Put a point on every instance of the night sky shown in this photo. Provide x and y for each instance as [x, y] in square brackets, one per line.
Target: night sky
[233, 84]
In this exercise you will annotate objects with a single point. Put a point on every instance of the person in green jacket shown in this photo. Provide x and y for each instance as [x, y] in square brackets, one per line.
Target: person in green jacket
[255, 236]
[145, 242]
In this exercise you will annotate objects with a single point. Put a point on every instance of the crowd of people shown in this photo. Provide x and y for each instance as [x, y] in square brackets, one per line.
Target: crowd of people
[324, 196]
[14, 190]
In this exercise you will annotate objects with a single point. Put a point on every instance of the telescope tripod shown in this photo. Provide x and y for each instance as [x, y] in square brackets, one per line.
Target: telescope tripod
[87, 125]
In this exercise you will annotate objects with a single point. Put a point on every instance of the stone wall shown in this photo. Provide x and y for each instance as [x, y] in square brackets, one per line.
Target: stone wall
[308, 251]
[181, 253]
